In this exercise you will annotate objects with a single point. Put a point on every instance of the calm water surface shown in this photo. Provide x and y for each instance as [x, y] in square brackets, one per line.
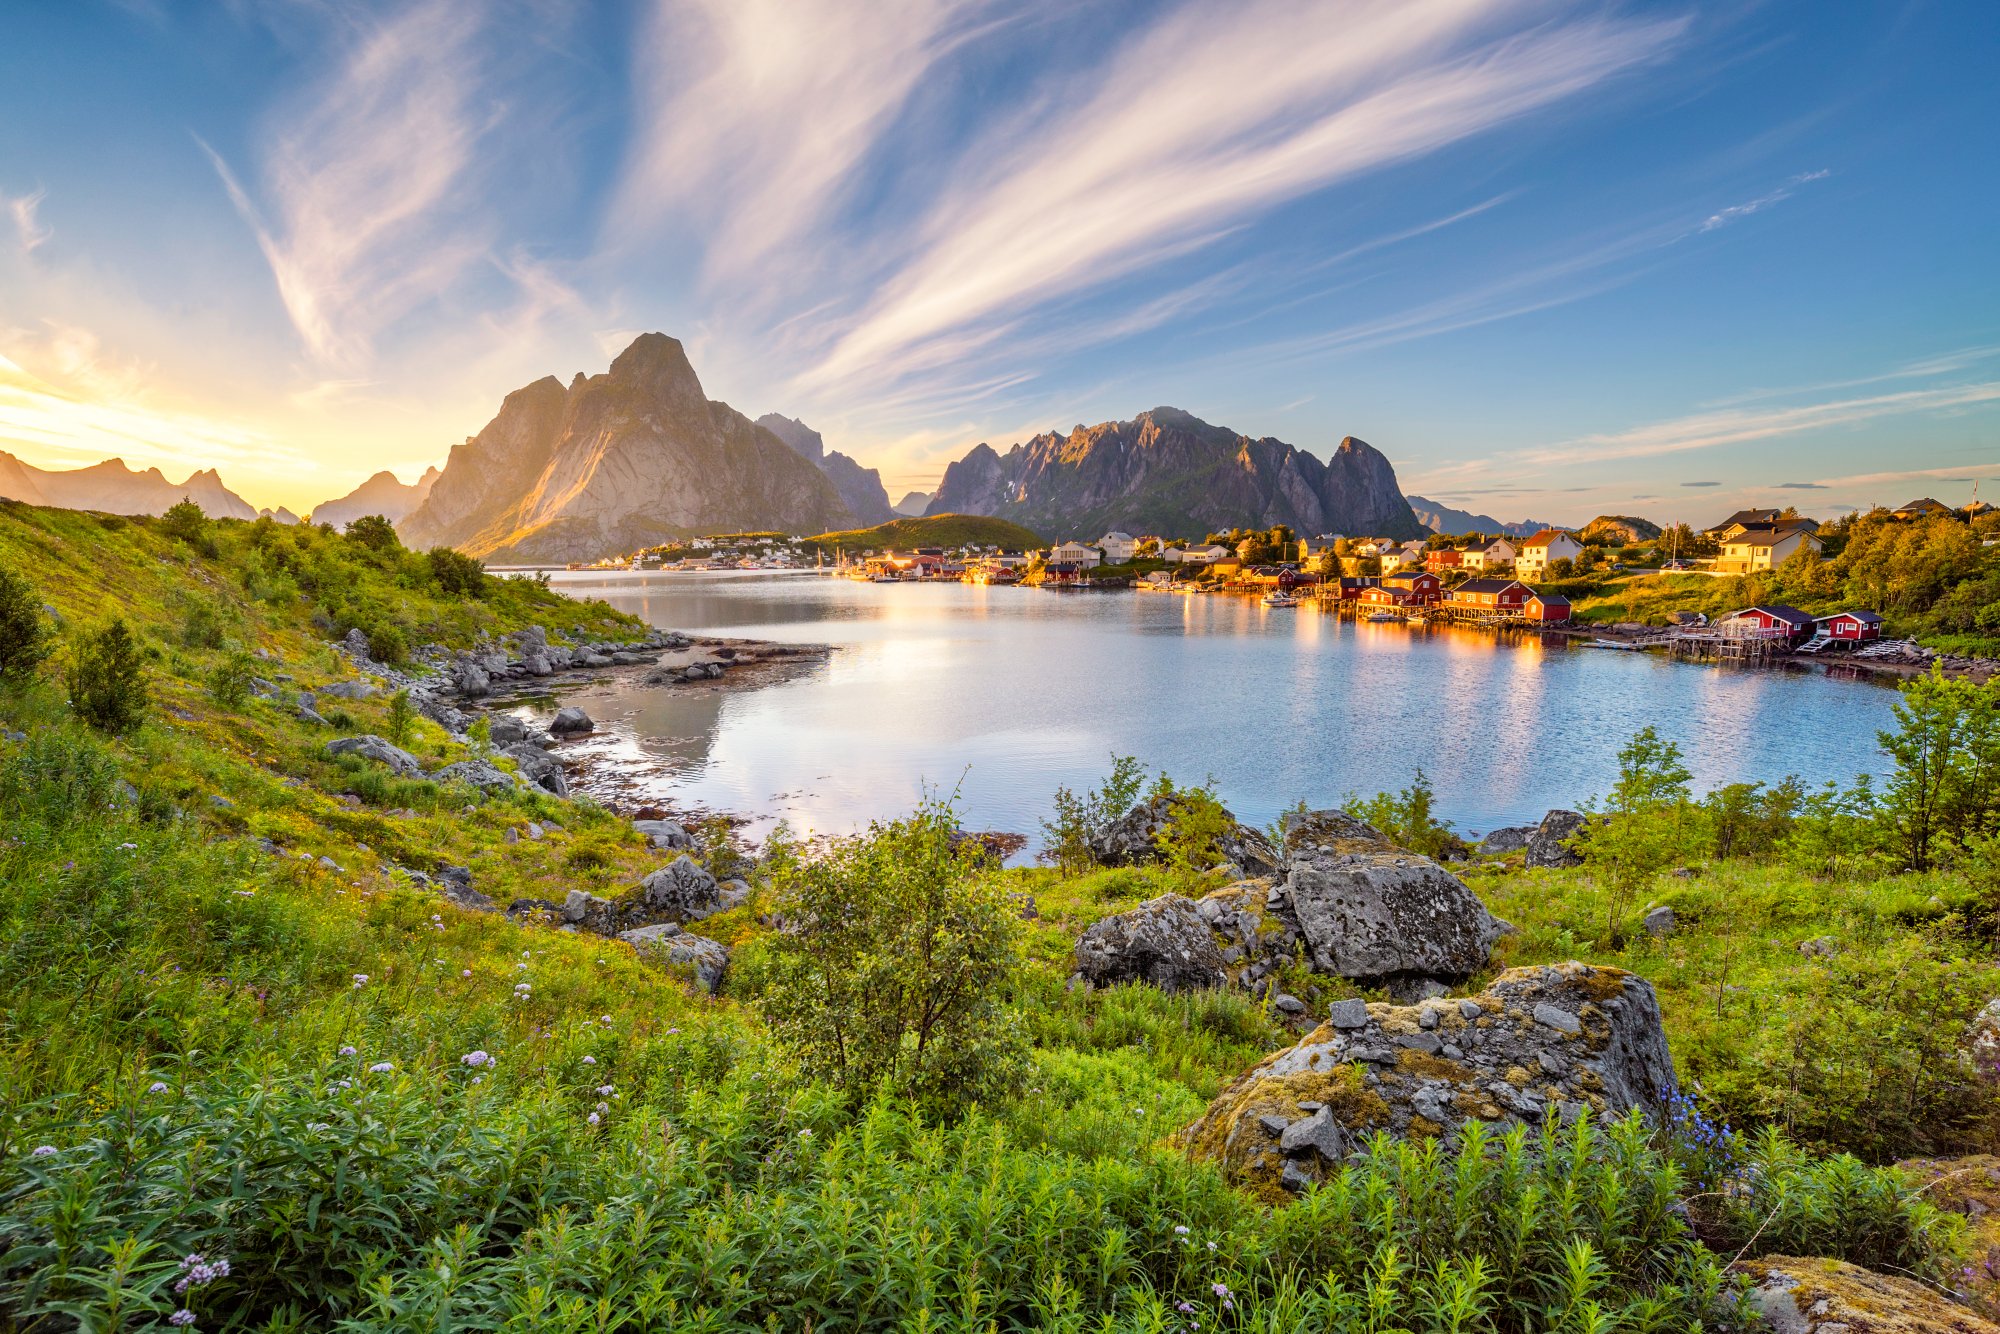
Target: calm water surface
[1005, 693]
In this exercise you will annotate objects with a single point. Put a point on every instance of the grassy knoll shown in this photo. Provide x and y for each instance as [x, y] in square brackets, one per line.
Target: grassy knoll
[933, 530]
[387, 1113]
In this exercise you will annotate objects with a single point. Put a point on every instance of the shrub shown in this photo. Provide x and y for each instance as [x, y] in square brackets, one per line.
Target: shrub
[106, 678]
[1189, 839]
[402, 718]
[455, 572]
[229, 682]
[1407, 819]
[387, 644]
[1067, 838]
[57, 776]
[890, 972]
[1645, 824]
[201, 627]
[24, 639]
[374, 532]
[185, 522]
[1946, 787]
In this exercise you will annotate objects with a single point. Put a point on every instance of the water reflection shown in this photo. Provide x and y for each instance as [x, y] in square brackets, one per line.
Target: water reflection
[1004, 694]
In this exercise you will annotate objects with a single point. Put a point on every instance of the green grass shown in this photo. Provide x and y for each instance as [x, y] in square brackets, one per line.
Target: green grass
[933, 530]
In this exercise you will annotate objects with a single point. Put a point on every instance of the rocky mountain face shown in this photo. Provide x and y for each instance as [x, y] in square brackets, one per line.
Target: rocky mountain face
[381, 494]
[1620, 529]
[1453, 522]
[915, 505]
[278, 515]
[618, 461]
[860, 488]
[1169, 472]
[112, 488]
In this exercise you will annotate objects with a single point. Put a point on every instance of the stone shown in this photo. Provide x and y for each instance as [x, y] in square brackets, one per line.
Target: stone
[536, 662]
[538, 767]
[571, 721]
[356, 644]
[1562, 1021]
[1163, 941]
[482, 774]
[664, 833]
[1982, 1040]
[702, 960]
[1376, 914]
[682, 890]
[1660, 921]
[1273, 1125]
[1548, 847]
[311, 716]
[1348, 1014]
[350, 690]
[1801, 1295]
[1289, 1004]
[470, 679]
[1318, 1134]
[504, 729]
[1487, 1067]
[379, 750]
[1508, 838]
[1132, 839]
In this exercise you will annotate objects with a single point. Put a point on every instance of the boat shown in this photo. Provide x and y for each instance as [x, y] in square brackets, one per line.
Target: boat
[1382, 616]
[1279, 599]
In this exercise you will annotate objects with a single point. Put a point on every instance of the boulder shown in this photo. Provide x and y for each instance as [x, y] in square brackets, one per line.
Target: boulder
[380, 750]
[1982, 1040]
[469, 678]
[681, 890]
[702, 960]
[1253, 923]
[356, 644]
[349, 690]
[535, 662]
[1376, 914]
[1566, 1037]
[504, 729]
[1132, 839]
[571, 721]
[1660, 921]
[538, 767]
[1548, 845]
[1796, 1295]
[1163, 941]
[1508, 838]
[664, 833]
[482, 774]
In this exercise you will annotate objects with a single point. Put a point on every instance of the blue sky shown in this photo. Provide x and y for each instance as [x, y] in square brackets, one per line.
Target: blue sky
[1553, 259]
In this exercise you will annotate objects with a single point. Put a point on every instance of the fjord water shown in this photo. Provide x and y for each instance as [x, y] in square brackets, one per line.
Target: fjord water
[1003, 694]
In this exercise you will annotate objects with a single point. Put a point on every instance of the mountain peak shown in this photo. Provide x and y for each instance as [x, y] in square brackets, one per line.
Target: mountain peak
[658, 366]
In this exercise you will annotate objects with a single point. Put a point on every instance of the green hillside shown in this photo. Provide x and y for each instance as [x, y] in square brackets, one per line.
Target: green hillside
[933, 530]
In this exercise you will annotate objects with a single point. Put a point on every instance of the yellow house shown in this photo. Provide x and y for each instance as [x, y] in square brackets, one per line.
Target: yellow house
[1765, 547]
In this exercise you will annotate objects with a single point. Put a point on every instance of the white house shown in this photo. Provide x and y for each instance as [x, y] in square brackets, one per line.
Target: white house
[1118, 547]
[1541, 550]
[1073, 553]
[1207, 555]
[1398, 559]
[1494, 556]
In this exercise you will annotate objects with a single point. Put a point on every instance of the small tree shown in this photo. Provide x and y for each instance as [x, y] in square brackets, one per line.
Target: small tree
[894, 963]
[1407, 818]
[24, 638]
[1189, 840]
[107, 679]
[456, 572]
[229, 683]
[1644, 825]
[1079, 820]
[402, 718]
[1946, 787]
[184, 520]
[375, 532]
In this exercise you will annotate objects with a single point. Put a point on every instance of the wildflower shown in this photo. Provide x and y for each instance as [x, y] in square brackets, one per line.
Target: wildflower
[182, 1317]
[126, 847]
[347, 1051]
[604, 1018]
[158, 1086]
[465, 972]
[361, 979]
[604, 1107]
[1185, 1308]
[1211, 1245]
[592, 1118]
[604, 1090]
[805, 1134]
[476, 1059]
[1180, 1230]
[380, 1068]
[672, 1031]
[590, 1060]
[43, 1151]
[1221, 1290]
[479, 1079]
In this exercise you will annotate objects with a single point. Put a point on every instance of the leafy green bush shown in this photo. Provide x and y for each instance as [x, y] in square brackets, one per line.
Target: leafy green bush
[374, 532]
[1078, 820]
[456, 573]
[1646, 824]
[402, 718]
[229, 681]
[1407, 819]
[388, 644]
[201, 627]
[24, 639]
[107, 678]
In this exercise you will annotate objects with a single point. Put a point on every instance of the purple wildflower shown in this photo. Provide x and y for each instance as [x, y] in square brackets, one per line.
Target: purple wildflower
[43, 1151]
[476, 1059]
[158, 1086]
[380, 1068]
[182, 1317]
[347, 1051]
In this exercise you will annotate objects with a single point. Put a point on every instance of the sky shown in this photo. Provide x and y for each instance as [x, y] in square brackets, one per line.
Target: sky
[1553, 259]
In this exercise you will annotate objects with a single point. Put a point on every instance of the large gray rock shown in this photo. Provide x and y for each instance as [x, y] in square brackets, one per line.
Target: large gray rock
[681, 890]
[1548, 846]
[1133, 838]
[349, 690]
[1563, 1038]
[664, 833]
[469, 678]
[538, 767]
[504, 729]
[571, 721]
[482, 774]
[1508, 838]
[700, 959]
[1164, 941]
[1379, 915]
[380, 750]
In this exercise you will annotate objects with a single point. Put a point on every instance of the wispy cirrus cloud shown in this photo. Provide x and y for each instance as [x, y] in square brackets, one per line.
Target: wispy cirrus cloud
[353, 202]
[1723, 217]
[1157, 159]
[30, 232]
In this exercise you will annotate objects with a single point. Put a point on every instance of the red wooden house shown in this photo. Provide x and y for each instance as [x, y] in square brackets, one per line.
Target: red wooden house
[1381, 595]
[1420, 588]
[1444, 558]
[1552, 608]
[1788, 623]
[1350, 586]
[1489, 595]
[1851, 627]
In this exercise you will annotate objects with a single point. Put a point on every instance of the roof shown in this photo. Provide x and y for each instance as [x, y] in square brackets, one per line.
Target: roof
[1789, 615]
[1769, 535]
[1117, 537]
[1547, 536]
[1747, 518]
[1407, 576]
[1925, 504]
[1548, 599]
[1486, 585]
[1865, 617]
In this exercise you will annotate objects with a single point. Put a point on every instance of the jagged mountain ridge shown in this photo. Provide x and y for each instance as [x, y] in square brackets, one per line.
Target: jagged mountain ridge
[1444, 519]
[1168, 471]
[112, 488]
[381, 494]
[861, 488]
[613, 462]
[914, 505]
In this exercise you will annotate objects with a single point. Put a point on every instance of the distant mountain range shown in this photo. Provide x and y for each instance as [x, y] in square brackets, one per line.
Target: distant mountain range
[914, 505]
[861, 488]
[616, 462]
[1452, 522]
[1166, 471]
[113, 488]
[381, 494]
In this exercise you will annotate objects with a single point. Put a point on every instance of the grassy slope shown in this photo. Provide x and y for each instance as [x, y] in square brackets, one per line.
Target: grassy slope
[933, 530]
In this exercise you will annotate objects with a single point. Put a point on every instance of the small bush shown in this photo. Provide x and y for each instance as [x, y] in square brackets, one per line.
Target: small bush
[1078, 820]
[402, 718]
[374, 532]
[107, 678]
[185, 522]
[455, 572]
[229, 682]
[201, 627]
[24, 638]
[387, 644]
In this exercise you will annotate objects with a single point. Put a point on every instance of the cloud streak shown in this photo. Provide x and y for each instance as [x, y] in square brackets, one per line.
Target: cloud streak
[30, 232]
[1723, 217]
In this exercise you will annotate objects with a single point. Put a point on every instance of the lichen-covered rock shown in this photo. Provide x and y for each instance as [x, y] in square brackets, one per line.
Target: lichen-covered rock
[1508, 838]
[1548, 846]
[1374, 913]
[482, 774]
[664, 833]
[1254, 925]
[1133, 838]
[1818, 1296]
[470, 679]
[700, 959]
[1565, 1038]
[538, 767]
[682, 890]
[1163, 941]
[380, 750]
